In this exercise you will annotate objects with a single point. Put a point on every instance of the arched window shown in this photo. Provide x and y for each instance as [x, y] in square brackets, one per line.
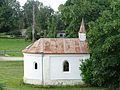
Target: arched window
[65, 66]
[35, 65]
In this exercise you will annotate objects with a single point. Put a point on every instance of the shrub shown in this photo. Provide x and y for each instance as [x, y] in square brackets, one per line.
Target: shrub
[87, 69]
[104, 72]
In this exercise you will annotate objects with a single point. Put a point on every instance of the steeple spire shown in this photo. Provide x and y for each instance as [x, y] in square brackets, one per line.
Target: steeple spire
[82, 27]
[82, 31]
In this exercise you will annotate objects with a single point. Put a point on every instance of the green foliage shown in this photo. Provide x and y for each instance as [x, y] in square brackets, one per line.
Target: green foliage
[42, 15]
[55, 25]
[29, 33]
[9, 15]
[28, 11]
[104, 42]
[87, 68]
[52, 27]
[13, 18]
[74, 10]
[47, 22]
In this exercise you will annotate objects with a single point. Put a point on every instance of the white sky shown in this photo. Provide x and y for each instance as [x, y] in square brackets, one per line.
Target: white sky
[52, 3]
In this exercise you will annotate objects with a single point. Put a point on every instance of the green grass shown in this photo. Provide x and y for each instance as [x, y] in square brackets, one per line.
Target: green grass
[11, 73]
[13, 44]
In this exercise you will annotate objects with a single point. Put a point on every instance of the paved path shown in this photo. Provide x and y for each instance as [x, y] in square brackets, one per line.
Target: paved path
[11, 58]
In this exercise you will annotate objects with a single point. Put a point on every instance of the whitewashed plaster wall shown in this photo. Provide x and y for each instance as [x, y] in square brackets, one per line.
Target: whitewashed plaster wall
[52, 71]
[56, 67]
[30, 73]
[53, 68]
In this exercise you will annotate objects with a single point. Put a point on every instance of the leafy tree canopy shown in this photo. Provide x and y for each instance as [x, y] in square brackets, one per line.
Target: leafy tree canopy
[73, 10]
[104, 42]
[9, 15]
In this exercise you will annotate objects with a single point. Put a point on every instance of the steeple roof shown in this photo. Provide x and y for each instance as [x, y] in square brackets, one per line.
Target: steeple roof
[82, 27]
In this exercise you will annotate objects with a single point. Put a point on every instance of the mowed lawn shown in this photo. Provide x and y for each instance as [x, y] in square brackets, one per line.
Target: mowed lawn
[11, 74]
[13, 44]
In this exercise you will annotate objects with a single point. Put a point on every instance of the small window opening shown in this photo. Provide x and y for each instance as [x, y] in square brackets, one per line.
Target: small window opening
[61, 35]
[36, 66]
[65, 66]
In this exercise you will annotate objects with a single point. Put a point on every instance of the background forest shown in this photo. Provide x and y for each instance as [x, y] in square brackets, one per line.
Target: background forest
[102, 21]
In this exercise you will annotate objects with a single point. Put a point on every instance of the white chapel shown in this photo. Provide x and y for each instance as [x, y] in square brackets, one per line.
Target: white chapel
[55, 61]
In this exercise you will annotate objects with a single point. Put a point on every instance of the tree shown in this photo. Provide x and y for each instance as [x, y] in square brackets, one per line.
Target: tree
[74, 10]
[28, 10]
[55, 25]
[104, 42]
[52, 27]
[42, 14]
[42, 19]
[29, 33]
[9, 15]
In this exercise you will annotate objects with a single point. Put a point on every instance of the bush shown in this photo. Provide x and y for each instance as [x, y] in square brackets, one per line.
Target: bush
[102, 73]
[87, 68]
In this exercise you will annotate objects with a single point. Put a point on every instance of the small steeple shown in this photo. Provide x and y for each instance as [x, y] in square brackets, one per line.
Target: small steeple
[82, 27]
[82, 31]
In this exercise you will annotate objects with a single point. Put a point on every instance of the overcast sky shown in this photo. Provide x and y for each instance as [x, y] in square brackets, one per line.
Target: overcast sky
[53, 3]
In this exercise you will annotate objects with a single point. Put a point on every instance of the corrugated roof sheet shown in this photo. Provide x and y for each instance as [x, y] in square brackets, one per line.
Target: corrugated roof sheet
[57, 46]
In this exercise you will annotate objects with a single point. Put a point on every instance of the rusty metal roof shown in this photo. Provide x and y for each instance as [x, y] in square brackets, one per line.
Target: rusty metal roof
[57, 46]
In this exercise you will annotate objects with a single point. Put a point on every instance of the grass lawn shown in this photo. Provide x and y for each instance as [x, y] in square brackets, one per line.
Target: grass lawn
[13, 44]
[11, 73]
